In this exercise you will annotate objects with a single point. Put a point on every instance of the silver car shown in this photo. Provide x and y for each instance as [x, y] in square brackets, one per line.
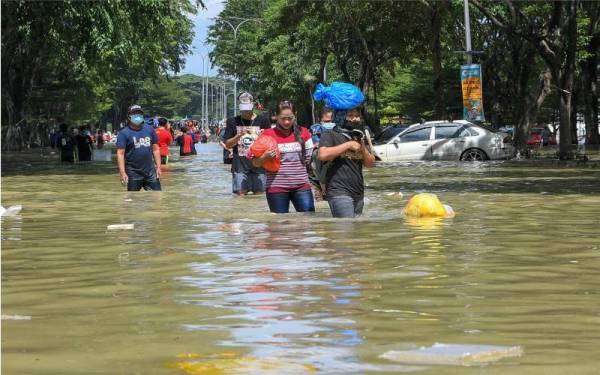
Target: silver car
[443, 140]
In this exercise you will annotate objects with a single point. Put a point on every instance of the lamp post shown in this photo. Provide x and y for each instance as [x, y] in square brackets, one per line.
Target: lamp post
[235, 30]
[204, 102]
[468, 32]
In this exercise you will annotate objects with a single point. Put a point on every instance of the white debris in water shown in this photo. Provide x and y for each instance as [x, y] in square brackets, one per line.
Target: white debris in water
[394, 194]
[120, 227]
[11, 211]
[453, 354]
[15, 317]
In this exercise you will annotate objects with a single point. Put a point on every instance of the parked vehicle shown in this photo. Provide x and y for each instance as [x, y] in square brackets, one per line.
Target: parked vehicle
[536, 137]
[443, 140]
[388, 133]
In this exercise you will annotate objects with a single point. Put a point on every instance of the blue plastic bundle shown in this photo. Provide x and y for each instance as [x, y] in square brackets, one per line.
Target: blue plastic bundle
[340, 95]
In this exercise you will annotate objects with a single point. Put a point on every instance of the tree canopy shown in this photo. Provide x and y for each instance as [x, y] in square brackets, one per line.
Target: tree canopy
[403, 55]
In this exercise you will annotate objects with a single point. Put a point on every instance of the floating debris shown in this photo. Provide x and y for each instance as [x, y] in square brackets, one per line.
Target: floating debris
[427, 205]
[397, 195]
[120, 227]
[232, 363]
[15, 317]
[11, 211]
[454, 354]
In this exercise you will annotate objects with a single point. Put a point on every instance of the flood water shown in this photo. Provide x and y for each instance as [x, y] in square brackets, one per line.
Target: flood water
[208, 283]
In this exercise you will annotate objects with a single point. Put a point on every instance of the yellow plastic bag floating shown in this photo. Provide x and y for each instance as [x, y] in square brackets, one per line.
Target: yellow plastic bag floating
[232, 363]
[427, 205]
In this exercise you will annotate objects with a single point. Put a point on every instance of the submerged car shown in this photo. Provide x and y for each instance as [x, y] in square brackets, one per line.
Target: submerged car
[443, 140]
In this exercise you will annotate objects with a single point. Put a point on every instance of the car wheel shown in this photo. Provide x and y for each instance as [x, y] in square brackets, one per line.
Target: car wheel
[473, 154]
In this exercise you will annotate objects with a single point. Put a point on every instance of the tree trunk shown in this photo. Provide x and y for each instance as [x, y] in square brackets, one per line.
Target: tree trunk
[590, 93]
[574, 104]
[565, 76]
[439, 102]
[323, 65]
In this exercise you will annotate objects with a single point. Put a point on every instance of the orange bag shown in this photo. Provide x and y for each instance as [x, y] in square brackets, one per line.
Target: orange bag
[263, 144]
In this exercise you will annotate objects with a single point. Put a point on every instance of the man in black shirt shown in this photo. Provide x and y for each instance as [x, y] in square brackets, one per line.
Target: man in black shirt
[346, 149]
[240, 132]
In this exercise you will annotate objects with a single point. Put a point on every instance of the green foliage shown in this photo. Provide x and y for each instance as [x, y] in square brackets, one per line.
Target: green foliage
[76, 59]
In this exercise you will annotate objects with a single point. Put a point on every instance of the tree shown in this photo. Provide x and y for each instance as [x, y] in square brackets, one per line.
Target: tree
[551, 29]
[118, 43]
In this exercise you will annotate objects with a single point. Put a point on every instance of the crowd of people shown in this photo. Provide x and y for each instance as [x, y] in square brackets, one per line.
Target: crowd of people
[326, 161]
[77, 144]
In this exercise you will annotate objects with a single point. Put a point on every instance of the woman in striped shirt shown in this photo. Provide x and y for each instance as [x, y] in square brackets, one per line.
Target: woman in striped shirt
[290, 183]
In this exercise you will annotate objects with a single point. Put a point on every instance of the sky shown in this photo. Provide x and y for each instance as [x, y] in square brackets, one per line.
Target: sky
[202, 20]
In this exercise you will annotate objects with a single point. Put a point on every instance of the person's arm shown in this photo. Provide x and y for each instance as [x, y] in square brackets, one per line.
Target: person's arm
[368, 158]
[231, 137]
[229, 143]
[121, 163]
[330, 153]
[156, 153]
[268, 155]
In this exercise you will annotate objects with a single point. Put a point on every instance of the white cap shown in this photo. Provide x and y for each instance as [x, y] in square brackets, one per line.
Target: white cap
[246, 102]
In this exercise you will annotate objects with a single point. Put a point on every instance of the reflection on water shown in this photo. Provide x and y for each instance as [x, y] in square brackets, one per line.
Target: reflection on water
[211, 283]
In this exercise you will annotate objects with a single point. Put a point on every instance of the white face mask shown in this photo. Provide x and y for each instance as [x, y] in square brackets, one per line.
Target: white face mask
[328, 125]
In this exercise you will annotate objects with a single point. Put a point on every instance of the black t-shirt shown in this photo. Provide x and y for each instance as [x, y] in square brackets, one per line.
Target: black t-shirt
[344, 175]
[251, 130]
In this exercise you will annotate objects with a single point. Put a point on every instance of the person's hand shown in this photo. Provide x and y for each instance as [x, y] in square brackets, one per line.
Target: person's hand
[124, 178]
[158, 172]
[354, 146]
[269, 155]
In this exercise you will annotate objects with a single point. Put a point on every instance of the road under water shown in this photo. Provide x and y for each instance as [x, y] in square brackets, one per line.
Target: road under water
[211, 283]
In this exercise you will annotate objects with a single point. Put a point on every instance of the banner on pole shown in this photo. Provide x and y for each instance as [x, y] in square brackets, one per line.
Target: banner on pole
[472, 93]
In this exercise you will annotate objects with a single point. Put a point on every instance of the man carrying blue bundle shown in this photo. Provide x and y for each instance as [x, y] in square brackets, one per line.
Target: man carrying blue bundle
[344, 151]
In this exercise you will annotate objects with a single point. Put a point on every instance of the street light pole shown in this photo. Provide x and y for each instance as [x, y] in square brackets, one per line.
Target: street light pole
[206, 96]
[468, 33]
[235, 30]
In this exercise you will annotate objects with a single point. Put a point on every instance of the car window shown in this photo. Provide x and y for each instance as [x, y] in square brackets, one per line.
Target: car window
[443, 132]
[416, 136]
[467, 132]
[388, 134]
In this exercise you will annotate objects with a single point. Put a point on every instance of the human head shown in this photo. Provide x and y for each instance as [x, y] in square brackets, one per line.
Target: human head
[135, 115]
[162, 122]
[326, 115]
[286, 114]
[352, 119]
[184, 129]
[246, 105]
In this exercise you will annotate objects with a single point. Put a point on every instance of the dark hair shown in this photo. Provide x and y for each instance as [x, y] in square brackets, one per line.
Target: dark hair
[162, 121]
[287, 104]
[325, 110]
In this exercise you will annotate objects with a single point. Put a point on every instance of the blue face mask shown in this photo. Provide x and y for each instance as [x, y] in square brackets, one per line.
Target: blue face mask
[137, 119]
[328, 125]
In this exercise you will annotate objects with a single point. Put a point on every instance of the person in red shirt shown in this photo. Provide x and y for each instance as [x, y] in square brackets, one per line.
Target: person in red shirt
[186, 143]
[165, 138]
[290, 183]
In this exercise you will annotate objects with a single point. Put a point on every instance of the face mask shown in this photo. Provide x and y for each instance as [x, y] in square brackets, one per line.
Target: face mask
[353, 125]
[136, 119]
[328, 125]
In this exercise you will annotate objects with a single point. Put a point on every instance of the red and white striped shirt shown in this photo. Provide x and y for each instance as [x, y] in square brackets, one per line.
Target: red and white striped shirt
[292, 175]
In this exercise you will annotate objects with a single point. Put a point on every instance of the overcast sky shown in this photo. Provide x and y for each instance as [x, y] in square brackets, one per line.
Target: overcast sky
[202, 20]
